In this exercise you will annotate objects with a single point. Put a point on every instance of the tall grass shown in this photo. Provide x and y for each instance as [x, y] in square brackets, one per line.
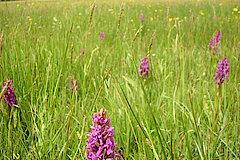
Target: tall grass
[174, 113]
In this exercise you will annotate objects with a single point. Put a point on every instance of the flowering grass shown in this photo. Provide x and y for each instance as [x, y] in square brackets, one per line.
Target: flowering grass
[175, 112]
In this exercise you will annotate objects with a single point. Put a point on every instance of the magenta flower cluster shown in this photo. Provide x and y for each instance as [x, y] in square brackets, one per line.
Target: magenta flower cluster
[101, 36]
[141, 17]
[222, 71]
[82, 52]
[214, 42]
[143, 69]
[8, 96]
[73, 84]
[100, 144]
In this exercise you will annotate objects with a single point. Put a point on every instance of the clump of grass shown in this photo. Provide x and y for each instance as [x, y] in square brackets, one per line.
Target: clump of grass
[173, 112]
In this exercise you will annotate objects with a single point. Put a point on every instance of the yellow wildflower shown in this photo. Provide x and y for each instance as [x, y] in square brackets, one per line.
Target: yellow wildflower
[32, 3]
[185, 18]
[30, 19]
[201, 13]
[238, 12]
[170, 19]
[235, 9]
[131, 20]
[155, 10]
[220, 4]
[17, 5]
[160, 10]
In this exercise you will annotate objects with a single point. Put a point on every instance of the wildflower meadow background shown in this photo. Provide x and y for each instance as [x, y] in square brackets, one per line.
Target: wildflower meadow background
[120, 79]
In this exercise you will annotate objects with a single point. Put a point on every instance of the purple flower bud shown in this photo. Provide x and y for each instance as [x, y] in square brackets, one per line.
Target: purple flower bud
[141, 17]
[73, 84]
[100, 144]
[214, 42]
[82, 52]
[214, 18]
[8, 96]
[218, 36]
[143, 69]
[222, 71]
[101, 36]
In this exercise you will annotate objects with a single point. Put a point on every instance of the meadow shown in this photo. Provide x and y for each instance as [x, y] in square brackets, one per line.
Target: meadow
[176, 111]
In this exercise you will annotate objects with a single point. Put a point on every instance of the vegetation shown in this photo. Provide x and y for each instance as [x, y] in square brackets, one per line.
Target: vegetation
[175, 112]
